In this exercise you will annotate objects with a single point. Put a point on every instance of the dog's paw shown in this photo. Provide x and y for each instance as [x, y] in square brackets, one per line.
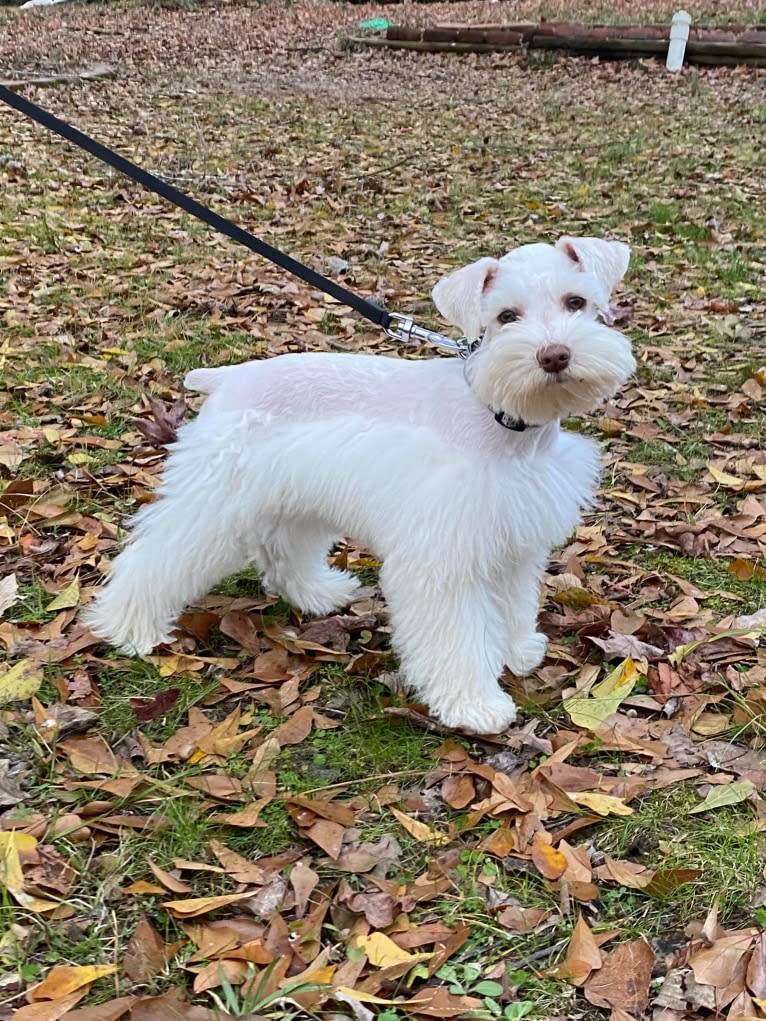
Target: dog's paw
[126, 635]
[334, 590]
[527, 653]
[488, 716]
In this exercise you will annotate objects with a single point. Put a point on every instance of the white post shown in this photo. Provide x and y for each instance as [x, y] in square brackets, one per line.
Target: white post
[679, 34]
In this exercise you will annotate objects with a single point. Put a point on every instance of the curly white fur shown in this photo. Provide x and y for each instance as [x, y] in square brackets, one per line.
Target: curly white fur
[292, 453]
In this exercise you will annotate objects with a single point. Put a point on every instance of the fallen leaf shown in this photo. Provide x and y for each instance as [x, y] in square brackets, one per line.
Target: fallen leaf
[622, 983]
[147, 709]
[20, 682]
[297, 728]
[583, 954]
[419, 830]
[601, 804]
[328, 835]
[728, 794]
[68, 597]
[64, 979]
[382, 952]
[9, 592]
[604, 698]
[196, 906]
[549, 861]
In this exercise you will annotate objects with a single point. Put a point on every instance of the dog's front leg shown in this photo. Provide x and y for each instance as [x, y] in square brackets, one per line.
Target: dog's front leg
[451, 641]
[518, 587]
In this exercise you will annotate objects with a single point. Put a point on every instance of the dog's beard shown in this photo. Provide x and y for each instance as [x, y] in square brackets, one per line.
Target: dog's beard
[505, 375]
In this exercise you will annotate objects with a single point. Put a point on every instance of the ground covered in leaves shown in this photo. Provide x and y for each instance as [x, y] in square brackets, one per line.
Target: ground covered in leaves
[250, 822]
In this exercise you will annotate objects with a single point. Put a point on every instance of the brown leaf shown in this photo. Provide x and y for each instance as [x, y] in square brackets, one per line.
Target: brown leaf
[303, 880]
[458, 791]
[114, 1010]
[369, 856]
[147, 954]
[378, 908]
[160, 428]
[169, 881]
[583, 954]
[49, 1010]
[622, 983]
[297, 728]
[522, 919]
[171, 1006]
[147, 709]
[443, 1004]
[756, 968]
[328, 835]
[247, 817]
[331, 810]
[240, 626]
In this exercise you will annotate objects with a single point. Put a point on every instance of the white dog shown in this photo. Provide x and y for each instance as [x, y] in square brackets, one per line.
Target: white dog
[454, 472]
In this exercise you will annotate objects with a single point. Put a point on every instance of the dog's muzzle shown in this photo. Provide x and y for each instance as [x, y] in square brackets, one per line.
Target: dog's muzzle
[553, 358]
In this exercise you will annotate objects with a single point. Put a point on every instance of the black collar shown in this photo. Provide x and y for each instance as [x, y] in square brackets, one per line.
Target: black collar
[518, 425]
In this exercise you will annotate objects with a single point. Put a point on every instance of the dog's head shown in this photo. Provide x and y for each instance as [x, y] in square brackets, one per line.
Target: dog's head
[544, 353]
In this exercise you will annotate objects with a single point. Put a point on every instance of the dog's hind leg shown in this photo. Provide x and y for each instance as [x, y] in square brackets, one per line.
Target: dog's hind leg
[292, 559]
[182, 545]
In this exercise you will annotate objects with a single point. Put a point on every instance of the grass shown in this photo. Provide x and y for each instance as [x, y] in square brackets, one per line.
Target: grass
[104, 308]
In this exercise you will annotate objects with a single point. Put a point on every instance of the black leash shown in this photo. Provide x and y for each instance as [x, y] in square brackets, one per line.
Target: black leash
[397, 326]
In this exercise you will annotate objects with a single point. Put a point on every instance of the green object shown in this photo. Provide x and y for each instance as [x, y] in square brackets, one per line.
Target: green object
[374, 25]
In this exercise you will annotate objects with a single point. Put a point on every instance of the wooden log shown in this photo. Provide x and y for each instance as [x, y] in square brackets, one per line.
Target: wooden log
[433, 47]
[583, 44]
[716, 49]
[63, 78]
[707, 44]
[400, 33]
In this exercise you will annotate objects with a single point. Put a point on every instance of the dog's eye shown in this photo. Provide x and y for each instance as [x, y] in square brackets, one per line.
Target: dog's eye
[508, 316]
[574, 303]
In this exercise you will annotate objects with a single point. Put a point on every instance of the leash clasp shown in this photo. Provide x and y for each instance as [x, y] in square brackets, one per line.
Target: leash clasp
[406, 331]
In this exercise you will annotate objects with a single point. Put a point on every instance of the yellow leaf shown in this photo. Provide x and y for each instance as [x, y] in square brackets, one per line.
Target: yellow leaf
[70, 596]
[362, 997]
[202, 905]
[728, 481]
[601, 804]
[11, 843]
[64, 979]
[419, 830]
[20, 682]
[605, 697]
[382, 952]
[579, 598]
[30, 903]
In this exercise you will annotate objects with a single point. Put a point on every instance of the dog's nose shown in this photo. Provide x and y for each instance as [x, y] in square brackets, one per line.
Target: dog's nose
[553, 357]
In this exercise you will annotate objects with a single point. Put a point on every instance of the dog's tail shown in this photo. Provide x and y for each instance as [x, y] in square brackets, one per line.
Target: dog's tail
[206, 381]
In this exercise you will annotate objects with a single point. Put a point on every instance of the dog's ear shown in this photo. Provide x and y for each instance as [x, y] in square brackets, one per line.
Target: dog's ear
[606, 260]
[458, 296]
